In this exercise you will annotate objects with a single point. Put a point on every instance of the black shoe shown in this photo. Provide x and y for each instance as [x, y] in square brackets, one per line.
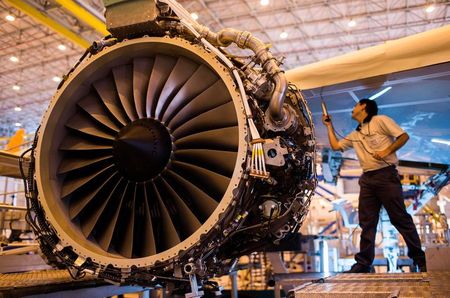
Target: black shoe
[359, 268]
[421, 265]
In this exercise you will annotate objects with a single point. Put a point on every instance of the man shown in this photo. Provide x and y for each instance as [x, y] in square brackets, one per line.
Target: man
[375, 140]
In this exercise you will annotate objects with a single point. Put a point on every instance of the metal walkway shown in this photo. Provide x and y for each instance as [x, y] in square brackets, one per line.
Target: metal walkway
[58, 283]
[434, 284]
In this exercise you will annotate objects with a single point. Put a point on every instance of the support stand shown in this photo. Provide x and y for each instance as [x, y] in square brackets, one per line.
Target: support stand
[194, 288]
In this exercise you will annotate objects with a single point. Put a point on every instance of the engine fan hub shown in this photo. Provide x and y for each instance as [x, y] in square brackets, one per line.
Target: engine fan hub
[142, 149]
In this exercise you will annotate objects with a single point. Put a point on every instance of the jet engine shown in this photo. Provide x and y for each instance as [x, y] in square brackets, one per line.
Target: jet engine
[162, 155]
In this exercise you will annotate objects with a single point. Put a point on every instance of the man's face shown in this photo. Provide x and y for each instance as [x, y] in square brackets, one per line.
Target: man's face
[358, 109]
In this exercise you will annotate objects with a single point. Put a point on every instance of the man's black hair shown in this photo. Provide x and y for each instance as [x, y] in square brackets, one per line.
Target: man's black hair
[371, 108]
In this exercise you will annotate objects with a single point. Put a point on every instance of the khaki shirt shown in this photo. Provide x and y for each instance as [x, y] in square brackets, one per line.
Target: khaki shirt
[376, 135]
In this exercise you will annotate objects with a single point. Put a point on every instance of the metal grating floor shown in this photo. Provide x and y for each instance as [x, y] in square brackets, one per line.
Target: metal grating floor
[435, 284]
[379, 277]
[36, 278]
[440, 283]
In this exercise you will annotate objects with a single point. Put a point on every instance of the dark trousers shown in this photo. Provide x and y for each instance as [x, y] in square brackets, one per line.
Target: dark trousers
[382, 188]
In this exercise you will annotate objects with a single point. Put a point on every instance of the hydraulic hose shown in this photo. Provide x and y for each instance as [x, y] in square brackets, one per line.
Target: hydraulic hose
[246, 40]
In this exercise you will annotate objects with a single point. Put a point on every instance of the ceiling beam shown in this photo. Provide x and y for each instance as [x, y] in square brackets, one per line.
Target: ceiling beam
[84, 16]
[53, 59]
[284, 9]
[353, 32]
[361, 31]
[48, 22]
[261, 26]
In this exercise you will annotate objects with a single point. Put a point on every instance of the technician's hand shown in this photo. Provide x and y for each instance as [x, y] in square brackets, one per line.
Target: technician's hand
[326, 120]
[381, 154]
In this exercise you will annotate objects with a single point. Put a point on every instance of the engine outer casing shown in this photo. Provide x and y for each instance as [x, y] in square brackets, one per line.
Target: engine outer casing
[61, 108]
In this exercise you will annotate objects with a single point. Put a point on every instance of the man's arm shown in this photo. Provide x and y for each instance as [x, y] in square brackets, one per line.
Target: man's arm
[334, 142]
[399, 142]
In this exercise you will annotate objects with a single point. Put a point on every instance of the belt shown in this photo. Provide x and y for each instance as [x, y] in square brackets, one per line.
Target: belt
[374, 172]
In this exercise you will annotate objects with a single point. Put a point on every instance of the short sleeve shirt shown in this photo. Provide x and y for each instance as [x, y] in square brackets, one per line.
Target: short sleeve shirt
[376, 135]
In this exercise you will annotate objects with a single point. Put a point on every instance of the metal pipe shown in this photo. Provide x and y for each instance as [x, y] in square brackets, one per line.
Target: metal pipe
[20, 250]
[10, 207]
[50, 23]
[6, 187]
[234, 284]
[246, 40]
[83, 15]
[12, 192]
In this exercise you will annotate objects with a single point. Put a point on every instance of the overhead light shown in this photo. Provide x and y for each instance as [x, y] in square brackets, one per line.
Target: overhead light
[430, 8]
[16, 87]
[17, 109]
[351, 23]
[441, 141]
[56, 79]
[264, 2]
[18, 124]
[10, 18]
[62, 47]
[284, 35]
[13, 59]
[376, 95]
[194, 16]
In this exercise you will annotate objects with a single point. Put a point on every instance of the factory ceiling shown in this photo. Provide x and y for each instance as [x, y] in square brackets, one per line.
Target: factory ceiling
[34, 58]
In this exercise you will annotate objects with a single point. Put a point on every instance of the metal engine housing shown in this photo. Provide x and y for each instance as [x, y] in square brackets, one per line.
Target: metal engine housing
[160, 157]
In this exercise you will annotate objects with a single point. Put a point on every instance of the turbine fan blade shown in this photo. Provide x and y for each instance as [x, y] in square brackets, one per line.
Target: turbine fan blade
[221, 162]
[72, 184]
[196, 199]
[160, 73]
[144, 240]
[124, 236]
[185, 220]
[104, 236]
[90, 213]
[216, 186]
[77, 204]
[167, 229]
[181, 72]
[123, 77]
[95, 109]
[85, 125]
[220, 117]
[225, 139]
[107, 91]
[142, 69]
[213, 97]
[76, 143]
[70, 164]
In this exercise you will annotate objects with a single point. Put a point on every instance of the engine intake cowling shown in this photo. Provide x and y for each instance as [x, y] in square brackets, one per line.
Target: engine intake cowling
[148, 145]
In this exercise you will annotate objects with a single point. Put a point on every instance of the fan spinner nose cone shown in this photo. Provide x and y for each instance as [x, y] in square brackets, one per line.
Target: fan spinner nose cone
[142, 149]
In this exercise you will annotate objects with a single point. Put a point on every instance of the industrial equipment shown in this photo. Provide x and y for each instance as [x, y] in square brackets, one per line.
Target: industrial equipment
[163, 157]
